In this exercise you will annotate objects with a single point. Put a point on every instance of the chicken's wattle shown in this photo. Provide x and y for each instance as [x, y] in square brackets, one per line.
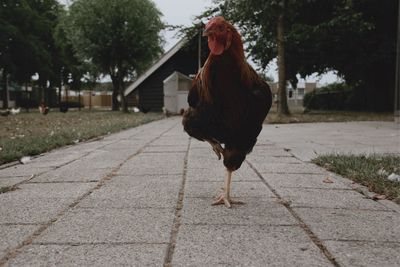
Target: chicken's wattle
[216, 47]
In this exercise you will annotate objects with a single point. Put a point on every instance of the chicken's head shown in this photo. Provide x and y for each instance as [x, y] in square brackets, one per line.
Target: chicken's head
[219, 33]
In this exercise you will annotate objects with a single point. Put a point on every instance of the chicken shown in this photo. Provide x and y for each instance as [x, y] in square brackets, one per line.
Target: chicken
[228, 101]
[43, 108]
[15, 111]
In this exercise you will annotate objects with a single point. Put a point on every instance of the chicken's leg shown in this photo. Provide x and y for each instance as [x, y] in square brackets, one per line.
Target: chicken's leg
[216, 147]
[225, 198]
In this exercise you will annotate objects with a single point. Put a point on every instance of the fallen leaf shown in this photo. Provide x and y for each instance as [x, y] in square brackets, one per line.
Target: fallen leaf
[394, 177]
[25, 160]
[382, 172]
[328, 181]
[378, 197]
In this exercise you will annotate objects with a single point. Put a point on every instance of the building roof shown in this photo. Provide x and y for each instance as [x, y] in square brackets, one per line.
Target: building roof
[155, 66]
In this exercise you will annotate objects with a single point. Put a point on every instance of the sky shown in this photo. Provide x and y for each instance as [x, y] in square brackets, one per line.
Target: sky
[183, 12]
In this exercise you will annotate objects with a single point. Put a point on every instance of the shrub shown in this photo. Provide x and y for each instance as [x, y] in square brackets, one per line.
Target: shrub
[336, 96]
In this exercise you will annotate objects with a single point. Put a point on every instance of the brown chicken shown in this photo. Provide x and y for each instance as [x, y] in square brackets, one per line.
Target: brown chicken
[228, 101]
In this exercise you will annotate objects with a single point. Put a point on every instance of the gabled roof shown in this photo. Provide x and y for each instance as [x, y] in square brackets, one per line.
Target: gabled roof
[155, 66]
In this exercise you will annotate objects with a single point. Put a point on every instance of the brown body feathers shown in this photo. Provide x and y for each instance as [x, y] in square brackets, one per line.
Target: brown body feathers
[228, 100]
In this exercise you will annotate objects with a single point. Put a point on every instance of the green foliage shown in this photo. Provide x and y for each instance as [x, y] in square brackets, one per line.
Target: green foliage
[357, 38]
[336, 96]
[120, 37]
[28, 45]
[25, 37]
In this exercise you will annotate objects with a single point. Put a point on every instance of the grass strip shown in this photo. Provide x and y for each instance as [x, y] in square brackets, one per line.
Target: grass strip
[371, 171]
[298, 116]
[29, 134]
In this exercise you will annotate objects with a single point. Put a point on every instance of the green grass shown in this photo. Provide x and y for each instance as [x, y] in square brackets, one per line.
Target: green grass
[28, 134]
[298, 116]
[370, 171]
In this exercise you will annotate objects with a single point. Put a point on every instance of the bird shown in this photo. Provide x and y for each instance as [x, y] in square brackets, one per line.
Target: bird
[15, 111]
[228, 101]
[43, 108]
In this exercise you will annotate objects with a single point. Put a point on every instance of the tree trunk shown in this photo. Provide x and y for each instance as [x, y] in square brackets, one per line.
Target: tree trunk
[116, 86]
[118, 89]
[124, 102]
[283, 108]
[26, 97]
[6, 93]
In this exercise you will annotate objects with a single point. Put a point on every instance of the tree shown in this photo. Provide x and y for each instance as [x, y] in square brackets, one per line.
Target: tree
[357, 38]
[119, 37]
[26, 42]
[263, 25]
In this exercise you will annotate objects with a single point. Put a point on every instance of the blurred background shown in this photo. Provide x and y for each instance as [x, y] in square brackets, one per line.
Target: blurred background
[125, 54]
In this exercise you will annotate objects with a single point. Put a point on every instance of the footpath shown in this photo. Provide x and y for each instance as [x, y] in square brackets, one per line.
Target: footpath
[142, 197]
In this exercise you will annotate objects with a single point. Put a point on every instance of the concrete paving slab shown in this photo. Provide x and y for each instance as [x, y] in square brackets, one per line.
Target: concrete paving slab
[234, 245]
[38, 203]
[72, 173]
[266, 159]
[136, 192]
[49, 190]
[218, 174]
[128, 219]
[306, 141]
[104, 155]
[10, 181]
[153, 163]
[306, 168]
[328, 198]
[110, 225]
[167, 148]
[20, 170]
[254, 211]
[14, 235]
[361, 225]
[91, 255]
[54, 159]
[365, 253]
[238, 189]
[306, 181]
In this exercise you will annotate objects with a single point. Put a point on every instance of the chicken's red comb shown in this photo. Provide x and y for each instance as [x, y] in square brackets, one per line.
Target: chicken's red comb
[215, 20]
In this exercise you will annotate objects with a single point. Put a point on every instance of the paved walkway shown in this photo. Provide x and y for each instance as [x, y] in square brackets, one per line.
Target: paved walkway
[142, 197]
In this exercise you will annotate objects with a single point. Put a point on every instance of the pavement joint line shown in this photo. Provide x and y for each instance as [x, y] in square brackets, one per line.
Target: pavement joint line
[262, 198]
[164, 152]
[364, 241]
[302, 224]
[233, 182]
[178, 213]
[63, 182]
[150, 174]
[13, 252]
[318, 188]
[124, 208]
[348, 209]
[303, 173]
[95, 243]
[17, 224]
[244, 225]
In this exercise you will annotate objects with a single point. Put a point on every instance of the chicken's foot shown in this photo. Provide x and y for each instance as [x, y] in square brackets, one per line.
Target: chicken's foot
[224, 197]
[216, 146]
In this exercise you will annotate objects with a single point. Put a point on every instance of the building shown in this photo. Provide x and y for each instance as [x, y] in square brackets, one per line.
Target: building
[294, 96]
[147, 91]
